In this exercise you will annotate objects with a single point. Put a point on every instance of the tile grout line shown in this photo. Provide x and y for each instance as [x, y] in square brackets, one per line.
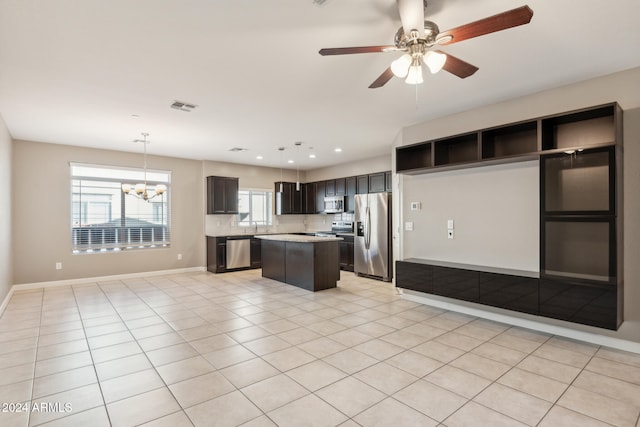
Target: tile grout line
[93, 364]
[35, 362]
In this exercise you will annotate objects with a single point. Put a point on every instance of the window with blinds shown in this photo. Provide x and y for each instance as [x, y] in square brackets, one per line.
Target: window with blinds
[105, 219]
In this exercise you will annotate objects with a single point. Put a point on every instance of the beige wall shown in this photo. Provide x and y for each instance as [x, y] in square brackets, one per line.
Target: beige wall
[361, 167]
[5, 211]
[440, 196]
[41, 215]
[495, 214]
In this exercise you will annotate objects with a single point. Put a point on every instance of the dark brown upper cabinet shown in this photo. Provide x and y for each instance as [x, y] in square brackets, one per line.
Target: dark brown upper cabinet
[222, 195]
[362, 184]
[377, 182]
[289, 200]
[341, 186]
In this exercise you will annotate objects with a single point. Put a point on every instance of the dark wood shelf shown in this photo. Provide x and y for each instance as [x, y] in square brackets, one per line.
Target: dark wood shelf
[414, 157]
[458, 149]
[508, 141]
[583, 128]
[589, 128]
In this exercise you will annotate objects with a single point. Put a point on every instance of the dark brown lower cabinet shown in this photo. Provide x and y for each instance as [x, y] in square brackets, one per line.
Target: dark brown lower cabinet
[256, 253]
[576, 302]
[346, 253]
[456, 283]
[273, 260]
[511, 292]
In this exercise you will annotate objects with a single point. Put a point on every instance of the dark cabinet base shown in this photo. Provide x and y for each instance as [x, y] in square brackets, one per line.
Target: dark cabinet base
[510, 292]
[553, 298]
[313, 266]
[579, 303]
[347, 253]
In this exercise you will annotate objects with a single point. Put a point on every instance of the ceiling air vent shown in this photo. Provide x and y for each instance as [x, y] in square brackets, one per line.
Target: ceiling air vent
[319, 3]
[183, 106]
[238, 149]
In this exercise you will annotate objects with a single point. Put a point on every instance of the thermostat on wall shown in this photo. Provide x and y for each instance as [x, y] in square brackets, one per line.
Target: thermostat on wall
[415, 206]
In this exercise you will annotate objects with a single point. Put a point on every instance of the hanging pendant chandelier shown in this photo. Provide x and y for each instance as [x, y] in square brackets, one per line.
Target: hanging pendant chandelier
[141, 190]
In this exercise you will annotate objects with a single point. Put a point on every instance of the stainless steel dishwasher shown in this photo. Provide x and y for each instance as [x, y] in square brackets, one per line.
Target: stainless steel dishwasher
[238, 252]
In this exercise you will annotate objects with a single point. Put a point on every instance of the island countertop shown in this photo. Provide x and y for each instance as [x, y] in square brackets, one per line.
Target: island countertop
[297, 238]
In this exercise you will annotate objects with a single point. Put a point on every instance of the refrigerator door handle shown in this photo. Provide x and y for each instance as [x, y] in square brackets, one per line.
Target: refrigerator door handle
[367, 228]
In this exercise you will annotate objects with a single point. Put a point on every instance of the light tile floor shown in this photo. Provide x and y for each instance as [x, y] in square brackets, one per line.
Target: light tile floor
[237, 349]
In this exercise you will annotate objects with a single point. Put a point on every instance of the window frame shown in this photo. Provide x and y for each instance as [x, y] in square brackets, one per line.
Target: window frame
[117, 238]
[268, 209]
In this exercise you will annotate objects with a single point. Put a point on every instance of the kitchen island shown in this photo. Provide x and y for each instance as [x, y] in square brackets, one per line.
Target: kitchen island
[309, 262]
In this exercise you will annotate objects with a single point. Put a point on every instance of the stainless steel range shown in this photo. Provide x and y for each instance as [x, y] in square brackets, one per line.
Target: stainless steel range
[338, 227]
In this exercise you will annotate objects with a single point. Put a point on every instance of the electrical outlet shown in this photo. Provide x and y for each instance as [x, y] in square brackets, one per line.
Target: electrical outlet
[179, 256]
[58, 266]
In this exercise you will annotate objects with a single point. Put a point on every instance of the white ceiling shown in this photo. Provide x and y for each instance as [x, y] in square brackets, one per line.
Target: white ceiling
[76, 71]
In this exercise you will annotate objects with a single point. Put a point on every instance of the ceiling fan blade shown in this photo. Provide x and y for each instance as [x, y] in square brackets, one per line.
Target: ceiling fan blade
[350, 50]
[458, 67]
[411, 15]
[501, 21]
[382, 79]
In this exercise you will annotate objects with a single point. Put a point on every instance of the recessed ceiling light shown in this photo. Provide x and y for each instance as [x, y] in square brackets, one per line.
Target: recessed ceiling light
[259, 157]
[238, 149]
[312, 156]
[289, 161]
[338, 150]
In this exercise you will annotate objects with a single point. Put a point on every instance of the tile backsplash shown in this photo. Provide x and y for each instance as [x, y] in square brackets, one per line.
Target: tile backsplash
[227, 225]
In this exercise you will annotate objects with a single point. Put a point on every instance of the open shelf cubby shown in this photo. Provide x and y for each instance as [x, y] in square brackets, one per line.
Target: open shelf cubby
[458, 149]
[579, 182]
[414, 157]
[513, 140]
[579, 250]
[580, 129]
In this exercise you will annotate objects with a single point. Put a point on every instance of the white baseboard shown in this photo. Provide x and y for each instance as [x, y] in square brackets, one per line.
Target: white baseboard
[55, 283]
[562, 331]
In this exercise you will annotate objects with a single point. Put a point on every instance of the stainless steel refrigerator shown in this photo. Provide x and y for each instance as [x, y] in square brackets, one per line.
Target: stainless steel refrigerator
[372, 255]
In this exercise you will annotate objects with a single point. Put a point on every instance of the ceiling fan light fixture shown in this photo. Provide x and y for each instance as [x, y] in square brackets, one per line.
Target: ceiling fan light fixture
[435, 61]
[414, 76]
[400, 67]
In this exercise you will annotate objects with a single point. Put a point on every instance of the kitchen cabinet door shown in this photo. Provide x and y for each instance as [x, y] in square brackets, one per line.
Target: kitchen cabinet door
[222, 195]
[350, 200]
[377, 183]
[341, 186]
[320, 193]
[309, 198]
[362, 184]
[330, 187]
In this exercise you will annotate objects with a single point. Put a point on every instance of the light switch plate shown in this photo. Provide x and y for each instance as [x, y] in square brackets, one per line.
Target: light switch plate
[408, 226]
[450, 224]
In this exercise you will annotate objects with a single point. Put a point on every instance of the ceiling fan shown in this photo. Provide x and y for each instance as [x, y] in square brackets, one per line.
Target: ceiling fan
[416, 37]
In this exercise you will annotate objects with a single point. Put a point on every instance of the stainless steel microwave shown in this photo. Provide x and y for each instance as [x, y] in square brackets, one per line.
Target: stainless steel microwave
[334, 204]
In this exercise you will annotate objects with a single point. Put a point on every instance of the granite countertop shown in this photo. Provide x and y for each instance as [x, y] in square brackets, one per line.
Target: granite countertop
[297, 238]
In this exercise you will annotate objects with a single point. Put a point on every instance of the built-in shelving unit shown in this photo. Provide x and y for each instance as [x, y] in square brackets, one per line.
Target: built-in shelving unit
[581, 270]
